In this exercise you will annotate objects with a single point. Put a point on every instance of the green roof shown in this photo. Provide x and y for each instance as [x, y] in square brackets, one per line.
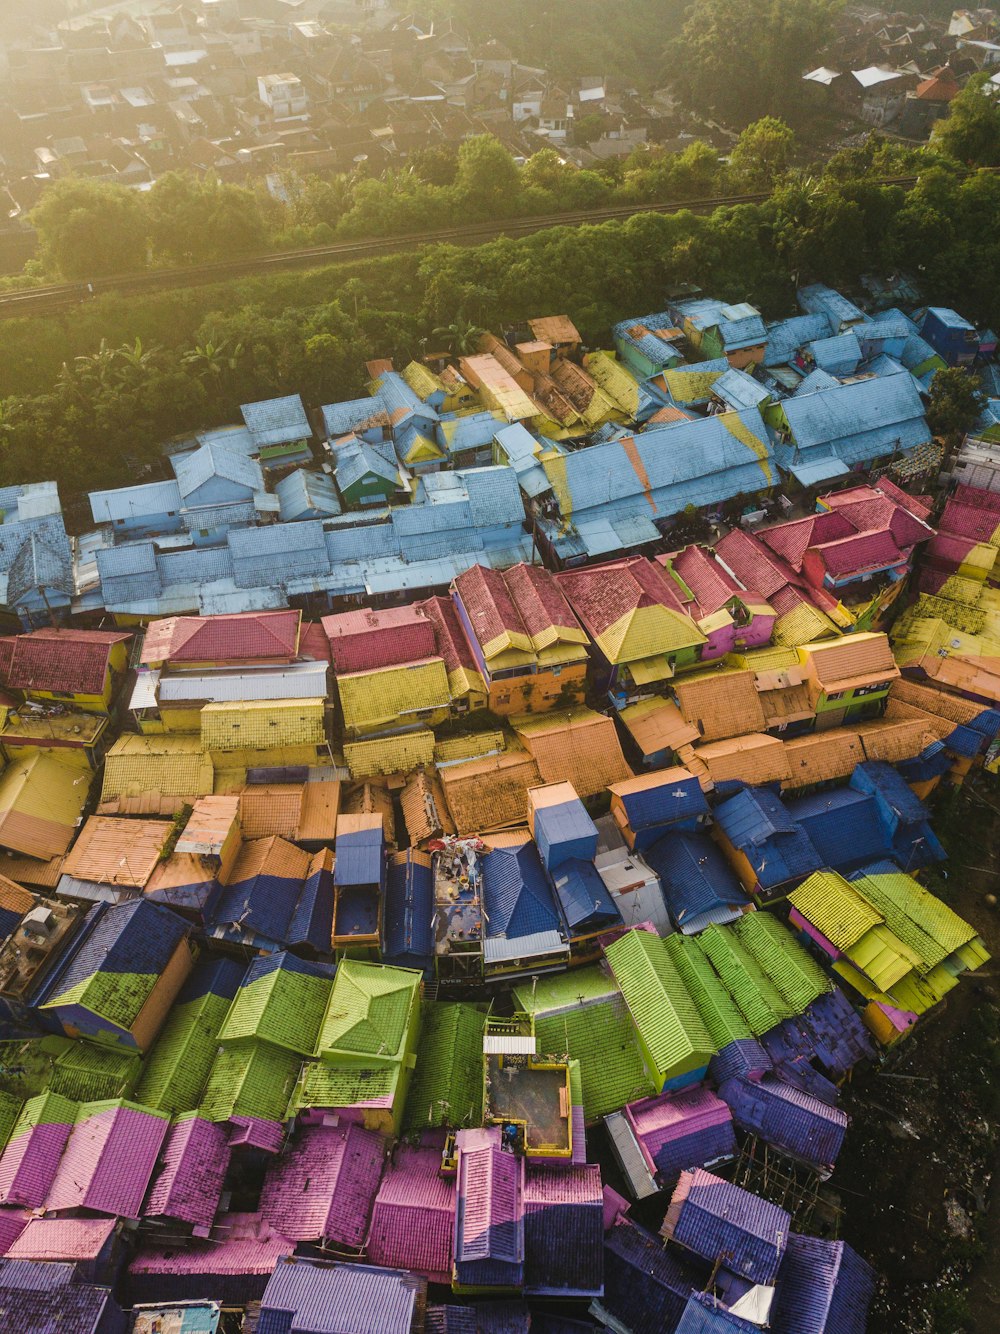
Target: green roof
[916, 916]
[834, 908]
[10, 1109]
[89, 1109]
[322, 1085]
[369, 1010]
[602, 1037]
[176, 1069]
[717, 1008]
[117, 998]
[792, 969]
[561, 991]
[447, 1087]
[88, 1073]
[670, 1026]
[759, 999]
[250, 1079]
[45, 1109]
[284, 1008]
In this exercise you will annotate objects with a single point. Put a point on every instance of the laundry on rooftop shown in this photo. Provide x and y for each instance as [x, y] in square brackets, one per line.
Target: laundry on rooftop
[398, 815]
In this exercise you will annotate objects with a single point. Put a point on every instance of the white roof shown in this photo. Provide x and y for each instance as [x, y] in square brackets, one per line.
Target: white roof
[509, 1044]
[875, 74]
[300, 680]
[822, 75]
[498, 949]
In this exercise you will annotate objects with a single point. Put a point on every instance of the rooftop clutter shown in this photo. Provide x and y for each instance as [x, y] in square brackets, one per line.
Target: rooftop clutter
[669, 807]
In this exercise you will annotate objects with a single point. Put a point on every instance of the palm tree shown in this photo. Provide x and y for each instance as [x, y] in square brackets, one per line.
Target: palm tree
[97, 367]
[460, 337]
[135, 361]
[212, 360]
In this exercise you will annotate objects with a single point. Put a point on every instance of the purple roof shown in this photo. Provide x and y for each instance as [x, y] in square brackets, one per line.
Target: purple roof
[839, 1037]
[232, 1265]
[63, 1239]
[256, 1133]
[77, 1308]
[791, 1050]
[29, 1163]
[744, 1056]
[489, 1217]
[188, 1186]
[324, 1186]
[109, 1160]
[413, 1221]
[12, 1224]
[825, 1288]
[564, 1231]
[789, 1119]
[324, 1298]
[678, 1130]
[712, 1217]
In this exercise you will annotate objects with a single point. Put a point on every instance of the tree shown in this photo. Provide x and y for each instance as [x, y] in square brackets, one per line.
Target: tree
[955, 404]
[762, 154]
[971, 131]
[487, 183]
[460, 338]
[89, 229]
[194, 219]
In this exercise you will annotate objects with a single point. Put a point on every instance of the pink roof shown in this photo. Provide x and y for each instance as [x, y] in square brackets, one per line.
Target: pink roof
[251, 636]
[602, 594]
[614, 1204]
[752, 563]
[257, 1133]
[12, 1224]
[413, 1221]
[949, 549]
[325, 1185]
[239, 1244]
[63, 1239]
[110, 1157]
[708, 579]
[491, 1194]
[657, 1121]
[562, 1185]
[363, 641]
[861, 552]
[915, 505]
[969, 520]
[313, 643]
[976, 497]
[30, 1161]
[792, 540]
[539, 599]
[189, 1184]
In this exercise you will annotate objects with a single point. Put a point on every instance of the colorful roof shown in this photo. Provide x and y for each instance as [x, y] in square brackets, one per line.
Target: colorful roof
[369, 1013]
[825, 1288]
[65, 661]
[250, 1079]
[760, 1001]
[281, 1000]
[413, 1218]
[262, 724]
[29, 1163]
[194, 1162]
[259, 636]
[109, 851]
[323, 1187]
[152, 775]
[327, 1298]
[713, 1217]
[656, 725]
[795, 973]
[367, 640]
[489, 1218]
[390, 696]
[718, 1010]
[720, 703]
[447, 1087]
[788, 1119]
[835, 908]
[630, 609]
[850, 661]
[564, 1231]
[41, 801]
[576, 745]
[108, 1161]
[490, 793]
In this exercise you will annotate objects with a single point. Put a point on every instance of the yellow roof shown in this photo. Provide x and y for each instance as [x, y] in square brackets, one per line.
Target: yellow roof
[720, 703]
[466, 681]
[261, 724]
[615, 380]
[577, 745]
[40, 802]
[802, 625]
[155, 774]
[821, 756]
[467, 746]
[422, 380]
[390, 754]
[648, 631]
[835, 908]
[760, 660]
[647, 670]
[380, 698]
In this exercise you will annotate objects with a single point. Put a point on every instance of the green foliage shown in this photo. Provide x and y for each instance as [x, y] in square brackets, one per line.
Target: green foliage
[955, 403]
[970, 133]
[762, 155]
[87, 229]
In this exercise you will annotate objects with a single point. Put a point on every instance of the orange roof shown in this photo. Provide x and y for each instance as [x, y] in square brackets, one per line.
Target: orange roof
[747, 759]
[490, 793]
[425, 812]
[720, 703]
[32, 871]
[822, 756]
[371, 798]
[938, 727]
[110, 851]
[554, 329]
[577, 745]
[305, 812]
[657, 724]
[939, 702]
[268, 856]
[14, 897]
[787, 704]
[894, 740]
[851, 661]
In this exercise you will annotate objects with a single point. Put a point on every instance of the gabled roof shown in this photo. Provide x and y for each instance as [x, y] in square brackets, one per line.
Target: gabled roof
[720, 703]
[237, 637]
[38, 565]
[850, 660]
[630, 609]
[713, 1217]
[69, 661]
[578, 746]
[215, 460]
[361, 641]
[327, 1297]
[860, 420]
[516, 896]
[276, 421]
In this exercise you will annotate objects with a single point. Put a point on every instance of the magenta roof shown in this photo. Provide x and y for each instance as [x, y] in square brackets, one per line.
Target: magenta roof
[110, 1157]
[12, 1224]
[63, 1239]
[413, 1221]
[256, 1133]
[563, 1185]
[189, 1184]
[239, 1244]
[362, 641]
[675, 1115]
[325, 1185]
[29, 1164]
[490, 1215]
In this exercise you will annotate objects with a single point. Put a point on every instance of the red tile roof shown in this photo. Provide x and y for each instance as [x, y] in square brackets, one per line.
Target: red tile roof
[919, 506]
[602, 594]
[706, 577]
[241, 637]
[313, 643]
[7, 643]
[69, 661]
[862, 552]
[752, 563]
[539, 599]
[452, 644]
[968, 520]
[488, 604]
[362, 641]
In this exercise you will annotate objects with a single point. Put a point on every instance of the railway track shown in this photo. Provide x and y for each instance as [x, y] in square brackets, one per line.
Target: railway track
[56, 296]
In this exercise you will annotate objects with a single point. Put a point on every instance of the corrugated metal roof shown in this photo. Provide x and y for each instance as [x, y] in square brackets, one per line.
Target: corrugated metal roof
[713, 1217]
[276, 421]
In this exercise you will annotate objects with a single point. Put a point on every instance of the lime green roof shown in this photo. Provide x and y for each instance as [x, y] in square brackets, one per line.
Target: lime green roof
[447, 1088]
[45, 1109]
[284, 1008]
[88, 1073]
[717, 1008]
[322, 1085]
[916, 916]
[759, 999]
[250, 1079]
[834, 908]
[176, 1069]
[882, 956]
[792, 969]
[369, 1011]
[671, 1028]
[116, 997]
[561, 991]
[10, 1109]
[602, 1037]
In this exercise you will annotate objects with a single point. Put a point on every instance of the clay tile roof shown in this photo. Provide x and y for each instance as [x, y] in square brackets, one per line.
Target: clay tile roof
[7, 643]
[268, 857]
[657, 724]
[861, 552]
[539, 600]
[71, 661]
[576, 746]
[554, 329]
[239, 637]
[852, 658]
[602, 594]
[721, 703]
[822, 756]
[754, 759]
[425, 812]
[706, 577]
[452, 644]
[112, 851]
[490, 609]
[751, 562]
[361, 641]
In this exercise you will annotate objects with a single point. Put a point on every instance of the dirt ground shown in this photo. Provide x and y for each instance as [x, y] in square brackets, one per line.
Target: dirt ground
[915, 1177]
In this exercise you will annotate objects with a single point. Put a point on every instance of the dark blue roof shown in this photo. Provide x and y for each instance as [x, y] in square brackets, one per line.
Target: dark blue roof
[262, 905]
[408, 914]
[838, 1036]
[695, 876]
[759, 825]
[788, 1118]
[322, 1298]
[583, 896]
[646, 1287]
[132, 937]
[707, 1145]
[359, 859]
[705, 1315]
[965, 741]
[843, 826]
[717, 1217]
[567, 823]
[357, 911]
[824, 1288]
[744, 1056]
[76, 1309]
[791, 1050]
[564, 1248]
[212, 975]
[890, 789]
[678, 799]
[987, 722]
[266, 964]
[312, 919]
[516, 894]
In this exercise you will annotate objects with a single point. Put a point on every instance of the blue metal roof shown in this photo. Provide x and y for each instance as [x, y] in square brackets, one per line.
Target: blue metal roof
[356, 460]
[705, 1314]
[786, 337]
[717, 1217]
[583, 896]
[843, 825]
[838, 354]
[674, 799]
[818, 299]
[135, 502]
[656, 349]
[696, 879]
[758, 824]
[328, 1298]
[739, 390]
[265, 556]
[276, 421]
[516, 895]
[739, 325]
[304, 493]
[645, 1286]
[951, 319]
[472, 431]
[858, 421]
[787, 1118]
[360, 857]
[343, 418]
[215, 460]
[408, 914]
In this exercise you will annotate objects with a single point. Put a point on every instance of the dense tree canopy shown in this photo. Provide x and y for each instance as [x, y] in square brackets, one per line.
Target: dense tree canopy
[89, 228]
[970, 133]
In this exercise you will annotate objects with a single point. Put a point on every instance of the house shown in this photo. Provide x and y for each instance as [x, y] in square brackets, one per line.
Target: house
[139, 511]
[795, 1123]
[648, 806]
[720, 703]
[767, 848]
[155, 775]
[109, 1159]
[829, 1279]
[323, 1187]
[839, 313]
[219, 488]
[658, 1137]
[716, 329]
[641, 635]
[394, 698]
[523, 930]
[281, 1001]
[413, 1217]
[359, 879]
[31, 1156]
[82, 668]
[187, 1188]
[466, 684]
[560, 1206]
[328, 1297]
[279, 430]
[644, 1284]
[407, 939]
[41, 803]
[712, 1217]
[730, 616]
[648, 345]
[489, 1216]
[174, 703]
[560, 825]
[189, 643]
[36, 564]
[364, 476]
[92, 1309]
[950, 335]
[233, 1264]
[655, 730]
[366, 640]
[528, 645]
[274, 895]
[303, 494]
[673, 1037]
[579, 746]
[845, 676]
[698, 886]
